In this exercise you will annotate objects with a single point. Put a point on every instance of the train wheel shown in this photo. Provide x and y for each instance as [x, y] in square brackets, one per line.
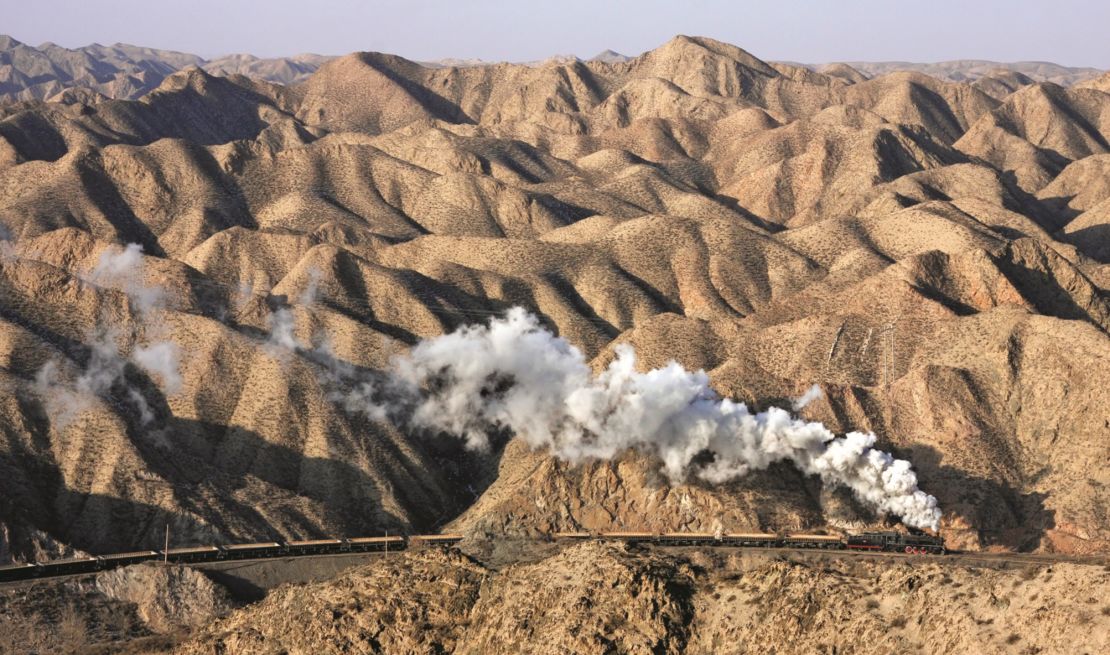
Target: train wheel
[909, 550]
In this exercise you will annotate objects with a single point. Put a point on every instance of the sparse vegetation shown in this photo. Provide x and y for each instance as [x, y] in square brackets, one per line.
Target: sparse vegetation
[932, 251]
[72, 630]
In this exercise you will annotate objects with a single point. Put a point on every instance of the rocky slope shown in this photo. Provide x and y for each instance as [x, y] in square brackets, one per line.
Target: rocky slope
[146, 606]
[607, 599]
[929, 252]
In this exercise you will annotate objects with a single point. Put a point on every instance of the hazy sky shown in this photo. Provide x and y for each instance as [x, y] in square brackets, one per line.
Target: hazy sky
[1072, 32]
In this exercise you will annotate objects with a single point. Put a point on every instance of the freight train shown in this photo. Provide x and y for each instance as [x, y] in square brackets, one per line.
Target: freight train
[890, 542]
[915, 544]
[199, 554]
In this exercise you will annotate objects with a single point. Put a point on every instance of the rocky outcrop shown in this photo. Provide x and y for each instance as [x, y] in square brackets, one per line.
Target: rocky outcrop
[594, 598]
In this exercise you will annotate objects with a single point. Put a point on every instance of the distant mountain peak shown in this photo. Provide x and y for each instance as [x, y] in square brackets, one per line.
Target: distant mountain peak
[610, 57]
[7, 42]
[125, 71]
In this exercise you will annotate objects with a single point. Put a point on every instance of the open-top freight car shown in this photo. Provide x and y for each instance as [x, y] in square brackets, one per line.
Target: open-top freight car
[191, 554]
[123, 559]
[686, 538]
[376, 544]
[750, 539]
[17, 571]
[821, 541]
[250, 551]
[435, 539]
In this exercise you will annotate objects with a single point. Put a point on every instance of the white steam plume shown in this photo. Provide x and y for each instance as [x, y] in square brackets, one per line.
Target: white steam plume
[63, 401]
[120, 268]
[282, 324]
[123, 268]
[813, 393]
[161, 358]
[513, 374]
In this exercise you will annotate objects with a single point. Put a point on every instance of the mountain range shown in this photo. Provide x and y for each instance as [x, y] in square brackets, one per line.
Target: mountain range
[195, 282]
[123, 71]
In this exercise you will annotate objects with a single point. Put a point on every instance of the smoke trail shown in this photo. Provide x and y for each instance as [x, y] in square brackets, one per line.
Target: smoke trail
[119, 268]
[513, 374]
[813, 393]
[162, 359]
[123, 269]
[63, 401]
[282, 324]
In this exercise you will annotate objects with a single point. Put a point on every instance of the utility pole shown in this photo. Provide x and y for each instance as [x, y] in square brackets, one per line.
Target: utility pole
[890, 357]
[166, 550]
[886, 335]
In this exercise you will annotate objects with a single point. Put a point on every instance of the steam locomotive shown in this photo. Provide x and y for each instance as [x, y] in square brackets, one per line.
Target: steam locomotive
[915, 544]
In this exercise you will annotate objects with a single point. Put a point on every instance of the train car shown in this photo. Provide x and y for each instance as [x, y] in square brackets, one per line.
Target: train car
[70, 566]
[250, 551]
[750, 539]
[191, 554]
[686, 539]
[897, 542]
[821, 541]
[435, 539]
[629, 537]
[18, 571]
[315, 546]
[123, 559]
[572, 536]
[375, 544]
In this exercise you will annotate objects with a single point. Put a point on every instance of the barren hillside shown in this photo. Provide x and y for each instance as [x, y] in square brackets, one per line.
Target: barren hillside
[197, 285]
[604, 599]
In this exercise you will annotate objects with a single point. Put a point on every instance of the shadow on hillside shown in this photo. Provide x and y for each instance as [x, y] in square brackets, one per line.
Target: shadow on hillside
[1044, 290]
[1095, 242]
[1058, 205]
[228, 483]
[1003, 515]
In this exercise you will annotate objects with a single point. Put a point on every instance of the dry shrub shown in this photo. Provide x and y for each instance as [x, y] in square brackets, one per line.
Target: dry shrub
[73, 631]
[21, 634]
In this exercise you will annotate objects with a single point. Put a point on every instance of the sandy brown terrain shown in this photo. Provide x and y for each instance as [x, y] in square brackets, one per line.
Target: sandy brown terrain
[595, 598]
[927, 252]
[586, 598]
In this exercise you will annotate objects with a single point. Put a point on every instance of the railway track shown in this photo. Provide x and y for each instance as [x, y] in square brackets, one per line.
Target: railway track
[327, 547]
